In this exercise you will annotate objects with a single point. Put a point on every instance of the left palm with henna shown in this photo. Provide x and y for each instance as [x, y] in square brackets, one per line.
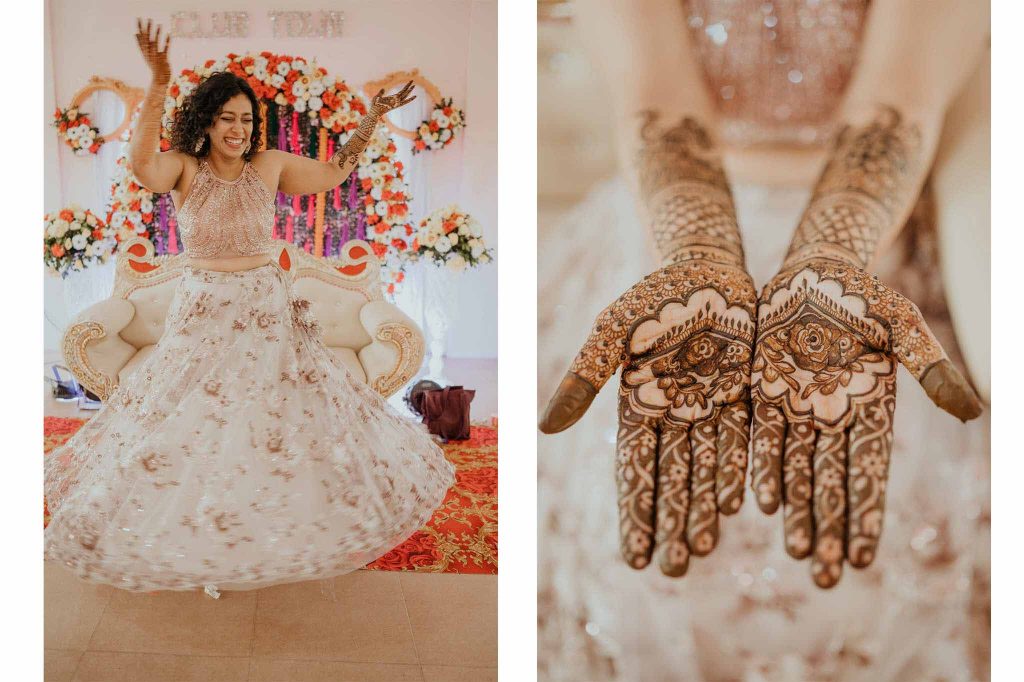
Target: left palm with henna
[829, 338]
[683, 337]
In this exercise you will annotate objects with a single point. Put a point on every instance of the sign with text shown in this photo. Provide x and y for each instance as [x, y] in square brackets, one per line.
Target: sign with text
[290, 24]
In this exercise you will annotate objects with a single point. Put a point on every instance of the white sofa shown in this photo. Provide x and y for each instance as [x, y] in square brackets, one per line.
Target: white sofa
[376, 341]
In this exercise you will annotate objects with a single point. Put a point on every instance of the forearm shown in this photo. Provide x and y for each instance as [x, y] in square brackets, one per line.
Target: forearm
[347, 156]
[683, 191]
[145, 142]
[873, 176]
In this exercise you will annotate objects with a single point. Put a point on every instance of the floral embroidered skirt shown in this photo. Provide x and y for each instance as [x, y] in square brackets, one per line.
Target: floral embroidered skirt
[240, 453]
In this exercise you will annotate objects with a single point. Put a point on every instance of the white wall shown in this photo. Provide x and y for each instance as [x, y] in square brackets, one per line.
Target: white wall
[451, 42]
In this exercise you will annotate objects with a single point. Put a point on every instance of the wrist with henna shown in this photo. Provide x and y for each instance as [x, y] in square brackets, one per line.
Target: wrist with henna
[683, 337]
[146, 136]
[348, 153]
[829, 337]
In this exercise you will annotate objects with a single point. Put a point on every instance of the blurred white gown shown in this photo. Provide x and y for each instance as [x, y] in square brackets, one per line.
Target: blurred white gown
[748, 612]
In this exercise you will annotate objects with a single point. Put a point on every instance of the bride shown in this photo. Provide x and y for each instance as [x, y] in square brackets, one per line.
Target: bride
[241, 453]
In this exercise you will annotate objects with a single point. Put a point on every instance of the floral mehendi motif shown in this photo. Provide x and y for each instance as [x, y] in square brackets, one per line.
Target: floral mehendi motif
[823, 385]
[683, 337]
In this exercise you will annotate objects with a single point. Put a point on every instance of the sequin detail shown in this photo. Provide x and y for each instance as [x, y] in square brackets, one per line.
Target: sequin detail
[226, 218]
[241, 453]
[777, 69]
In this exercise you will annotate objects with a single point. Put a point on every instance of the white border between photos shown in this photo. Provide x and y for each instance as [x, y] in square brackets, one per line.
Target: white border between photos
[1007, 380]
[517, 339]
[24, 122]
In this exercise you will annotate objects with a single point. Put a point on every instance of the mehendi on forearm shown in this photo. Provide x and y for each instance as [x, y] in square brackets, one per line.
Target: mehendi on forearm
[145, 142]
[348, 153]
[862, 193]
[684, 187]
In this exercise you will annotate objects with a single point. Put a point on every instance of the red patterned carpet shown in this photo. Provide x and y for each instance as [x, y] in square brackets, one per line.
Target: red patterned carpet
[462, 536]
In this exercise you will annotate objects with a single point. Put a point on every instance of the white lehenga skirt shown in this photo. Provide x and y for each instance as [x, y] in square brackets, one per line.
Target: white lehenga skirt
[240, 453]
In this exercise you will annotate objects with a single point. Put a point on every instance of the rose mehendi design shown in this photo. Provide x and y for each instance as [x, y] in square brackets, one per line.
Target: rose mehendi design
[683, 338]
[829, 337]
[823, 386]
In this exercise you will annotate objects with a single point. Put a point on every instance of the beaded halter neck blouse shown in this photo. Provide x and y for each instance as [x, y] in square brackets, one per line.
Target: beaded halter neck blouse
[226, 218]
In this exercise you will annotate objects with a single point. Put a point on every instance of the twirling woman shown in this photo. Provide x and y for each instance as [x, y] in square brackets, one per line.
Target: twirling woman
[240, 453]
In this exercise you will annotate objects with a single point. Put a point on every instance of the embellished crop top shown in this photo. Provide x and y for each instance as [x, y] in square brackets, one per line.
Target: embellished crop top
[226, 218]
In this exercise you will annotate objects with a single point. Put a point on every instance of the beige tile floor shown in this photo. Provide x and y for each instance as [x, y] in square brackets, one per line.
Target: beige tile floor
[377, 626]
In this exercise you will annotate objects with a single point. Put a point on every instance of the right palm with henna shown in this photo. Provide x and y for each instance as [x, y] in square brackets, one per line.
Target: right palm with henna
[684, 337]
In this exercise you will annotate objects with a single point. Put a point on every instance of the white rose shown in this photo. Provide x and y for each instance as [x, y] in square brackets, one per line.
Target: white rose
[79, 214]
[301, 65]
[430, 241]
[91, 220]
[446, 135]
[463, 229]
[315, 103]
[277, 80]
[456, 263]
[298, 88]
[444, 245]
[300, 105]
[135, 217]
[283, 68]
[79, 241]
[382, 208]
[316, 87]
[73, 133]
[117, 220]
[67, 243]
[453, 237]
[146, 206]
[476, 249]
[89, 251]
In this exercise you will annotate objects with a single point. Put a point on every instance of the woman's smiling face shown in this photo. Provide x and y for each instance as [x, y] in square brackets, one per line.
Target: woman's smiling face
[232, 127]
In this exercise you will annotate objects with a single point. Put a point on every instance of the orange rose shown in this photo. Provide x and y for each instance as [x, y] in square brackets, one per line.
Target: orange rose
[67, 215]
[57, 250]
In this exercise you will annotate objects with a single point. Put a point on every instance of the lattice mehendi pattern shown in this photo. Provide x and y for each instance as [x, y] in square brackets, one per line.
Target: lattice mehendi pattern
[861, 191]
[685, 188]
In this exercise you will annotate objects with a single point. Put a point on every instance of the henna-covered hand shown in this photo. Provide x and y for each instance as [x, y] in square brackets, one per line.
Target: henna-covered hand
[348, 154]
[829, 336]
[149, 45]
[684, 339]
[683, 336]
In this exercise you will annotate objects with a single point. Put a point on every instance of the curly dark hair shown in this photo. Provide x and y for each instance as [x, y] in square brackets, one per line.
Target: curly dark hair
[197, 110]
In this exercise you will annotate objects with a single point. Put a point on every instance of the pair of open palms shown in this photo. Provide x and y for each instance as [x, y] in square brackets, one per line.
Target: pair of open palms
[811, 364]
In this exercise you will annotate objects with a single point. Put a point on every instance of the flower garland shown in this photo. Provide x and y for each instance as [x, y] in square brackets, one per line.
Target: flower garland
[73, 239]
[75, 128]
[439, 130]
[452, 238]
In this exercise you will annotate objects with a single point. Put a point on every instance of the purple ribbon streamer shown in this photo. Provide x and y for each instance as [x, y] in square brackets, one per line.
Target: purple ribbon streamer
[162, 201]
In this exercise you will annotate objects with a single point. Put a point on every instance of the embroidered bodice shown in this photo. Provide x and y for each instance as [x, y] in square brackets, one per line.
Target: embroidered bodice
[226, 218]
[776, 70]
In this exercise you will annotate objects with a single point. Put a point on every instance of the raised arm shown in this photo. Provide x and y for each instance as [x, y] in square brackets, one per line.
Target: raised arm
[302, 175]
[830, 334]
[683, 335]
[155, 170]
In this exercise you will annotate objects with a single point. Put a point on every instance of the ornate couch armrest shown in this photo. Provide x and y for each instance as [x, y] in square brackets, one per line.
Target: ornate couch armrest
[92, 348]
[396, 352]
